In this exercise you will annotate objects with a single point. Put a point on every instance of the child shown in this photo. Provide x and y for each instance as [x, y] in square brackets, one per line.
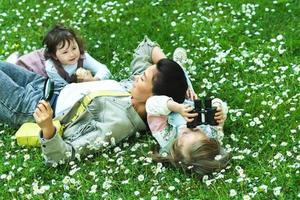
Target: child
[194, 150]
[64, 60]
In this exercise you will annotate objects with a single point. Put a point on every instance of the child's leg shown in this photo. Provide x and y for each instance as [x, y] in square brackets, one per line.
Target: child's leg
[19, 94]
[18, 74]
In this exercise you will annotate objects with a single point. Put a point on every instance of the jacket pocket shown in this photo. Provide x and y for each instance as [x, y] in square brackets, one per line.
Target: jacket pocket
[81, 130]
[120, 104]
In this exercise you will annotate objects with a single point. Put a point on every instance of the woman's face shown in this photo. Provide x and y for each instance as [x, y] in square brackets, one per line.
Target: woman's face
[187, 138]
[143, 84]
[67, 52]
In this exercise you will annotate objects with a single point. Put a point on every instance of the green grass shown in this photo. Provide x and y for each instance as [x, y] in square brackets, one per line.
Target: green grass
[256, 80]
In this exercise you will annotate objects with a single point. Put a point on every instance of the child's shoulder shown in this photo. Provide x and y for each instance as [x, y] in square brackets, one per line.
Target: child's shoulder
[49, 64]
[157, 105]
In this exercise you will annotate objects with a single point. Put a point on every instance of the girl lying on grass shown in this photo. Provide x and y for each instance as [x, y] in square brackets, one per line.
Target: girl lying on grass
[63, 59]
[196, 150]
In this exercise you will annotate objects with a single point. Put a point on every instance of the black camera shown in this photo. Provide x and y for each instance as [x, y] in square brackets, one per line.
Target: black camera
[205, 115]
[48, 90]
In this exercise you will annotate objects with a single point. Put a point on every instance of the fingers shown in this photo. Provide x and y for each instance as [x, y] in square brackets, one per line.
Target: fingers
[191, 94]
[187, 111]
[43, 108]
[219, 116]
[83, 75]
[36, 117]
[189, 119]
[188, 94]
[80, 71]
[191, 115]
[187, 114]
[188, 108]
[219, 111]
[88, 73]
[195, 96]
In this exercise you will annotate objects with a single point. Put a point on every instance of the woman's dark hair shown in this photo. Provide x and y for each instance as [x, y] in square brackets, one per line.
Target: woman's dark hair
[170, 80]
[59, 33]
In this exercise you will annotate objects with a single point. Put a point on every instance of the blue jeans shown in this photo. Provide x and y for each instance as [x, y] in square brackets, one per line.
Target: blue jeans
[20, 92]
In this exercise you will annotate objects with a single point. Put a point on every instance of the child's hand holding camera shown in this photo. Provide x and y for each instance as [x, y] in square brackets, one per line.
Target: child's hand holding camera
[182, 109]
[220, 116]
[185, 112]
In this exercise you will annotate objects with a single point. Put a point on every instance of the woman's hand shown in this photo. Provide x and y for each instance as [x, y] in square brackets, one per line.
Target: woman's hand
[220, 116]
[43, 117]
[190, 94]
[84, 75]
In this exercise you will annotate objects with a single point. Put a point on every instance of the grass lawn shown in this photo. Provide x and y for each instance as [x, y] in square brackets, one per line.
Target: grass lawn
[245, 52]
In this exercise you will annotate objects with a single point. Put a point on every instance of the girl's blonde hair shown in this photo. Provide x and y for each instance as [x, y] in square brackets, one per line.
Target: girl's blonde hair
[202, 158]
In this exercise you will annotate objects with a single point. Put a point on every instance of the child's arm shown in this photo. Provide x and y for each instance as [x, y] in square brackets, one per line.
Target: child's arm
[157, 118]
[182, 109]
[100, 71]
[163, 105]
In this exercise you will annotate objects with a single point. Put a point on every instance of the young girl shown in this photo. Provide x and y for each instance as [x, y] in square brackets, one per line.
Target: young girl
[64, 60]
[195, 150]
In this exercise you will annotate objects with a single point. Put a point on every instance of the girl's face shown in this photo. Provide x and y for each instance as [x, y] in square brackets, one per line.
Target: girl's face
[188, 138]
[67, 52]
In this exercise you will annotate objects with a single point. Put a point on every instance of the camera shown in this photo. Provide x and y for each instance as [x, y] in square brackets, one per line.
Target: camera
[48, 90]
[206, 114]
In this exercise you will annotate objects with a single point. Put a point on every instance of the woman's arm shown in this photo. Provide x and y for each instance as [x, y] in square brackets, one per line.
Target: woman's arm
[43, 117]
[146, 54]
[157, 54]
[54, 148]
